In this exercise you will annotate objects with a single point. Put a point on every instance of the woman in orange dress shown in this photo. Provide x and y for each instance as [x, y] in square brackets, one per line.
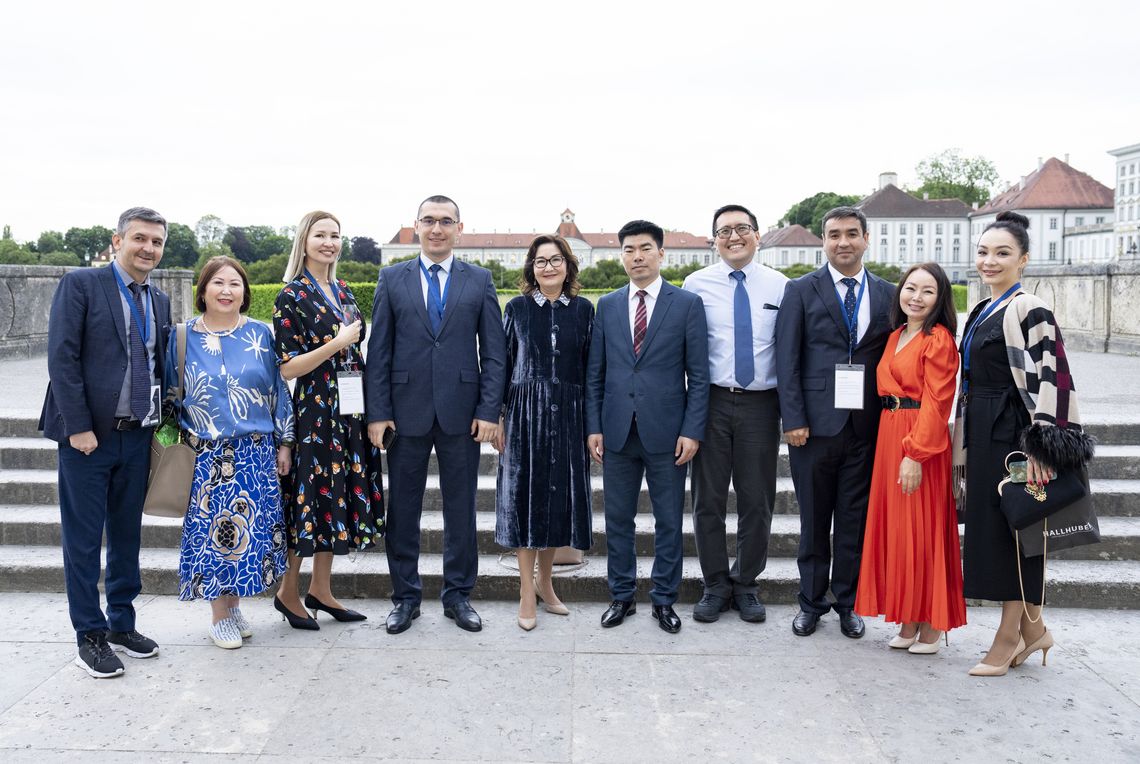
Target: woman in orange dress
[911, 569]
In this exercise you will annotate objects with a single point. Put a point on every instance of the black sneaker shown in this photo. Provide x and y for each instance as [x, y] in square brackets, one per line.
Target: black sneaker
[709, 608]
[750, 607]
[96, 657]
[132, 643]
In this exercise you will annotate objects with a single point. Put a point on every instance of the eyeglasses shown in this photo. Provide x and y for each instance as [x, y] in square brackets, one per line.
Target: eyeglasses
[742, 230]
[541, 263]
[444, 223]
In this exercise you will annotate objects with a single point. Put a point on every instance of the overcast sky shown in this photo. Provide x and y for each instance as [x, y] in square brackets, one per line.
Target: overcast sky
[261, 111]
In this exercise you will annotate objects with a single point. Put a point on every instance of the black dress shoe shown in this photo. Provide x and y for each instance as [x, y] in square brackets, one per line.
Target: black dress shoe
[805, 623]
[617, 611]
[401, 617]
[850, 624]
[667, 618]
[750, 607]
[341, 614]
[297, 622]
[464, 616]
[709, 608]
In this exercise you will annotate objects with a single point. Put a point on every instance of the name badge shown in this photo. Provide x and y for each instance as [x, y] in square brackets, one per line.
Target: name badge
[350, 390]
[151, 419]
[849, 386]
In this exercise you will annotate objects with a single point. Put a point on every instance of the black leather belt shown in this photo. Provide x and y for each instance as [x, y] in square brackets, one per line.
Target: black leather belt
[740, 390]
[894, 403]
[122, 424]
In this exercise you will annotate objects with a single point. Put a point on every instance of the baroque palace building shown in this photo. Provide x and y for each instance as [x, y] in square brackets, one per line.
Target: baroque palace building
[509, 249]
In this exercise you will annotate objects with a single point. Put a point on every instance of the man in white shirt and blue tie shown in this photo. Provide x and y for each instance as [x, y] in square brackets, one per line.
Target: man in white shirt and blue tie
[741, 299]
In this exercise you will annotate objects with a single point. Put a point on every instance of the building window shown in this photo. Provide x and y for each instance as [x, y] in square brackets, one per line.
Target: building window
[918, 228]
[783, 257]
[708, 258]
[1052, 224]
[883, 229]
[956, 251]
[819, 258]
[902, 249]
[920, 251]
[883, 246]
[1079, 220]
[1052, 250]
[902, 229]
[938, 229]
[1099, 219]
[938, 253]
[957, 228]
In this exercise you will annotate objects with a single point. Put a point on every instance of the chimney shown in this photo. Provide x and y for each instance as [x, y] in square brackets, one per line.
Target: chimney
[1040, 162]
[1021, 186]
[1066, 158]
[888, 179]
[975, 205]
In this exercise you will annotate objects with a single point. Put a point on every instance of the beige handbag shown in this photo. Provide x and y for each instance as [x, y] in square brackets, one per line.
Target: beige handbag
[171, 466]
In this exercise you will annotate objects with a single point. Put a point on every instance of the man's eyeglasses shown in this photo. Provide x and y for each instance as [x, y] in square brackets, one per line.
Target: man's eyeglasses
[540, 263]
[444, 223]
[742, 230]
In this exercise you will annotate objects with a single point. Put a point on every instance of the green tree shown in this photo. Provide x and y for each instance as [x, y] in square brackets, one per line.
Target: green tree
[239, 244]
[12, 253]
[209, 229]
[797, 270]
[365, 250]
[357, 273]
[607, 274]
[678, 273]
[7, 232]
[87, 242]
[60, 258]
[181, 250]
[267, 271]
[891, 273]
[809, 212]
[950, 175]
[206, 251]
[50, 241]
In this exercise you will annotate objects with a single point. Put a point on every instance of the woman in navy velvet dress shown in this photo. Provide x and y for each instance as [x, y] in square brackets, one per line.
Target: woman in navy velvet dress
[543, 497]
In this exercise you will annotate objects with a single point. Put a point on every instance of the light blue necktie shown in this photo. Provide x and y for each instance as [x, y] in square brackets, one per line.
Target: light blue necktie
[742, 332]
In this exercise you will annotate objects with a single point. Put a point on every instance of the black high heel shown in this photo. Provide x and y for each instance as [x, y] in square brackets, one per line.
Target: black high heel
[296, 621]
[314, 605]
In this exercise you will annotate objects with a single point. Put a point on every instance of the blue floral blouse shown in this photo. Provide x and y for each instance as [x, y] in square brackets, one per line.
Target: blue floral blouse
[233, 386]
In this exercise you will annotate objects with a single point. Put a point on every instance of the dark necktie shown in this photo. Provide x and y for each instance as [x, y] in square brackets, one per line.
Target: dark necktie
[435, 299]
[140, 367]
[742, 332]
[639, 322]
[849, 309]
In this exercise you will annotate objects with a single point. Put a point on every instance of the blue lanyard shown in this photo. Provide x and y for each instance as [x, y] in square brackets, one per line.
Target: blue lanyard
[968, 338]
[143, 325]
[334, 298]
[440, 303]
[854, 322]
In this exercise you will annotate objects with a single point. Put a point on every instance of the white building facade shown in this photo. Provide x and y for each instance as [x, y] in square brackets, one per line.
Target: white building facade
[790, 245]
[1126, 229]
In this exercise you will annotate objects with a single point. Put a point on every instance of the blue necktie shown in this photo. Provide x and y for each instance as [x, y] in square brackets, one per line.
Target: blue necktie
[849, 309]
[140, 367]
[742, 332]
[435, 299]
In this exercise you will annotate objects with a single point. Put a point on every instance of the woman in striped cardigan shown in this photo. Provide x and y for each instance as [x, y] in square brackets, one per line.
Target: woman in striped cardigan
[1017, 395]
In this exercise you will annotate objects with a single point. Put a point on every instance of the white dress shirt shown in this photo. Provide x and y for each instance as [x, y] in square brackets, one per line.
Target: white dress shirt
[864, 317]
[717, 289]
[444, 275]
[652, 291]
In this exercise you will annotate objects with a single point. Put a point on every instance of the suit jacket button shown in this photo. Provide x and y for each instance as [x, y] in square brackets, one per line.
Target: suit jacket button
[631, 395]
[554, 407]
[437, 344]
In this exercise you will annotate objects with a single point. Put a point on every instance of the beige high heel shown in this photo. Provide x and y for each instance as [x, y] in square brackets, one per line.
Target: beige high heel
[1044, 643]
[899, 642]
[527, 624]
[985, 669]
[555, 608]
[928, 648]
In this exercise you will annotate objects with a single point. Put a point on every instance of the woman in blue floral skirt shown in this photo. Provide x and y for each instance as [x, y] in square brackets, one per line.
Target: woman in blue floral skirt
[238, 417]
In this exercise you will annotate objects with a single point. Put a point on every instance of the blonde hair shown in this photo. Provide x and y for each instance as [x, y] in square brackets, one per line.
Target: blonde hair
[297, 257]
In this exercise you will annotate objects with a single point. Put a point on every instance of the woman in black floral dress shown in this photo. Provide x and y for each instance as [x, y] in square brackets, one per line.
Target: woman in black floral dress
[333, 497]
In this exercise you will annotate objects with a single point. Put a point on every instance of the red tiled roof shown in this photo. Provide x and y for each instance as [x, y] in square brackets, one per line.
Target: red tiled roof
[569, 230]
[891, 201]
[1054, 186]
[790, 236]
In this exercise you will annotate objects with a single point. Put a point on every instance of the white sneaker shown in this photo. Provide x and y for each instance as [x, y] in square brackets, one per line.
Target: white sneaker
[225, 634]
[243, 626]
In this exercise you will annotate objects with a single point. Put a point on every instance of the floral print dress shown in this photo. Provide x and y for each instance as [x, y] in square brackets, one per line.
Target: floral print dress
[333, 497]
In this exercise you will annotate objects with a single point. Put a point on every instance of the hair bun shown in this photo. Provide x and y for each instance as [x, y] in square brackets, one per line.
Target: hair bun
[1009, 216]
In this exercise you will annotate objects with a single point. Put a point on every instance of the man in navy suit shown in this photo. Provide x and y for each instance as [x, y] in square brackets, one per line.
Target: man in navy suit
[106, 339]
[649, 340]
[831, 330]
[435, 376]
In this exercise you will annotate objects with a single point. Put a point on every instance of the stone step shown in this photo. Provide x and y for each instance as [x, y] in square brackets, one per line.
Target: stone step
[31, 525]
[1112, 498]
[1072, 583]
[1111, 462]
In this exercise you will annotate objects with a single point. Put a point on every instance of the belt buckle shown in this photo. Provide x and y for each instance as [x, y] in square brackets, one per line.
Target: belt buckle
[895, 403]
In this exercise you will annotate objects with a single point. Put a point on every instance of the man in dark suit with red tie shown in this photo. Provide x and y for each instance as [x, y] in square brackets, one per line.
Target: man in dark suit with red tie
[647, 393]
[106, 343]
[831, 330]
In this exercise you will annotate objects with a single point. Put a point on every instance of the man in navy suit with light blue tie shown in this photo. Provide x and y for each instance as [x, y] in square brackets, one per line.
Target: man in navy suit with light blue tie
[647, 392]
[106, 342]
[435, 376]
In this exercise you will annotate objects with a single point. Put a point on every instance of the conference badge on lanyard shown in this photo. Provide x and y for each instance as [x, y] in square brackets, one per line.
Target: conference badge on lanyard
[849, 386]
[350, 392]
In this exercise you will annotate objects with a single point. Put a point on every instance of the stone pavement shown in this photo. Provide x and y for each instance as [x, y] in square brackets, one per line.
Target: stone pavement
[569, 691]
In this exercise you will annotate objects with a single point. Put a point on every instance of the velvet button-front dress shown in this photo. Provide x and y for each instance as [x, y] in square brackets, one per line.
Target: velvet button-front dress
[543, 498]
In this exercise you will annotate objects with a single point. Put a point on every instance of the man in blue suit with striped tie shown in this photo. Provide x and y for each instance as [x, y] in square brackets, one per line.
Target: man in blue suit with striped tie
[647, 392]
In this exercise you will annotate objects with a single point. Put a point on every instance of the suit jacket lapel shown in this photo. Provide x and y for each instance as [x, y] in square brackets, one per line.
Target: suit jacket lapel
[415, 289]
[825, 287]
[456, 280]
[623, 318]
[664, 301]
[878, 296]
[115, 302]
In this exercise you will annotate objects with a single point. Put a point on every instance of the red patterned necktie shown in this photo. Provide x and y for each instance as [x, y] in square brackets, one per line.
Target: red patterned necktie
[639, 322]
